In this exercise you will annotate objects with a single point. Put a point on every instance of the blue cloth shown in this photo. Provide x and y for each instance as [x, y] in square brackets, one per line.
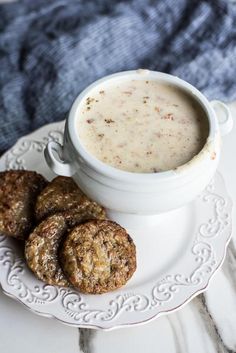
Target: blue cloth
[51, 49]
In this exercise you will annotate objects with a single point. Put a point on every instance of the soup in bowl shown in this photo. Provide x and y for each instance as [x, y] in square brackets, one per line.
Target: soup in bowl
[140, 142]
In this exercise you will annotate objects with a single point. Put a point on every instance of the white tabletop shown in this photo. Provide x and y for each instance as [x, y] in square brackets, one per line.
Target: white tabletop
[206, 324]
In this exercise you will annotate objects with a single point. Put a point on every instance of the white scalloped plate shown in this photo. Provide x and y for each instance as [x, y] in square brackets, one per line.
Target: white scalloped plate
[175, 259]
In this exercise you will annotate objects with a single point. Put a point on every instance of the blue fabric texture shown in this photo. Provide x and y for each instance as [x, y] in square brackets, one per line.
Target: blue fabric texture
[51, 49]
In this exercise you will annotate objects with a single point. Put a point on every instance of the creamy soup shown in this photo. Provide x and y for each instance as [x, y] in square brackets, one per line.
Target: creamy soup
[142, 126]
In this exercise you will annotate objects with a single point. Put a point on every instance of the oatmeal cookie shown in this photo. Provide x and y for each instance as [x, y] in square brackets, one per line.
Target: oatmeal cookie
[41, 248]
[62, 194]
[98, 256]
[18, 192]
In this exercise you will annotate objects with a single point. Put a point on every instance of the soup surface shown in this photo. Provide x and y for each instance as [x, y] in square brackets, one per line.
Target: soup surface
[141, 126]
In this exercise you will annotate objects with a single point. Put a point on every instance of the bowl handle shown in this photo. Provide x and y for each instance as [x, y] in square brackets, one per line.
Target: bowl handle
[54, 157]
[223, 115]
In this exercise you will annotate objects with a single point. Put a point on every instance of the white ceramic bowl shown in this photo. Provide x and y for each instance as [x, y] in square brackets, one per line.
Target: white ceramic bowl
[124, 193]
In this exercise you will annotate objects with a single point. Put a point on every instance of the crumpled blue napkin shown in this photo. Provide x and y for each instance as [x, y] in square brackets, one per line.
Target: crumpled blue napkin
[51, 49]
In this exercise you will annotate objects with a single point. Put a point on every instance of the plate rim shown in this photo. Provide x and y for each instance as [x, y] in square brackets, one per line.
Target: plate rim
[126, 325]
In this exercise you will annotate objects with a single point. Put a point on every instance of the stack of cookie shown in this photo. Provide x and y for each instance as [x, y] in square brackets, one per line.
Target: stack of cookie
[68, 240]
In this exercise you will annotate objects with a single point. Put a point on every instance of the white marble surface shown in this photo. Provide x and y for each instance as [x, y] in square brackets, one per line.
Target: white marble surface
[206, 324]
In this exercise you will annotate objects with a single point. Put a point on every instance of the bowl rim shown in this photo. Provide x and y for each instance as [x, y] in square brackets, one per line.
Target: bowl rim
[114, 173]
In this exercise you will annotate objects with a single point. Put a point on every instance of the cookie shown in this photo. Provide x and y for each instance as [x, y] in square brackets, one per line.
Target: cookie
[62, 194]
[98, 256]
[41, 248]
[18, 192]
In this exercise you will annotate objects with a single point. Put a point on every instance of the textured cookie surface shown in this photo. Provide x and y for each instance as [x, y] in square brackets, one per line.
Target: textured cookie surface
[41, 248]
[18, 192]
[62, 194]
[98, 256]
